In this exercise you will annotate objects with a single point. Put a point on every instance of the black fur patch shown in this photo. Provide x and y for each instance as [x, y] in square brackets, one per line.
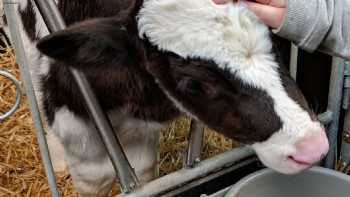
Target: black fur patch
[219, 99]
[115, 73]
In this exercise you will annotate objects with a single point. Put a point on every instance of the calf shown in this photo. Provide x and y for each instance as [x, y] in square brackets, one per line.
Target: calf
[150, 62]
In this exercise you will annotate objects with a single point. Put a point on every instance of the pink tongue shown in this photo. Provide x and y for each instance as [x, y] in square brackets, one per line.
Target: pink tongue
[299, 161]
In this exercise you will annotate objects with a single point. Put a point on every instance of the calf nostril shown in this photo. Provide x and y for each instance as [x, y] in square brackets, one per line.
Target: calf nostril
[311, 148]
[316, 143]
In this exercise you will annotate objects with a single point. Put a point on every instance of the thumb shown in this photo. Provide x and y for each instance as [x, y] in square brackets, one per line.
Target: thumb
[271, 16]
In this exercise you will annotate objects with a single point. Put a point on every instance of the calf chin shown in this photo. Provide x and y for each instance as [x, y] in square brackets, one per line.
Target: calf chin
[288, 153]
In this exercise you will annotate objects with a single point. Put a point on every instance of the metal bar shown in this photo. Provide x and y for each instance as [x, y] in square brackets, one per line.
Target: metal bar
[240, 170]
[345, 146]
[18, 95]
[51, 15]
[344, 160]
[293, 64]
[326, 117]
[195, 143]
[127, 177]
[10, 11]
[334, 105]
[346, 94]
[185, 175]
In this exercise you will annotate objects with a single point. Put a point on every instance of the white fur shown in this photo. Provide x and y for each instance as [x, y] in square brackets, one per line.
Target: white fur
[87, 159]
[88, 163]
[231, 36]
[200, 28]
[56, 150]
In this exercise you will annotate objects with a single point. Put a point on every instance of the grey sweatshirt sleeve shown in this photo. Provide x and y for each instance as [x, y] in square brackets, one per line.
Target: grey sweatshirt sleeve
[318, 25]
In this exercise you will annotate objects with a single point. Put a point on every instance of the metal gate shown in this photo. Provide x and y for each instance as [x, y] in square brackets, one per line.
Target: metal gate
[194, 168]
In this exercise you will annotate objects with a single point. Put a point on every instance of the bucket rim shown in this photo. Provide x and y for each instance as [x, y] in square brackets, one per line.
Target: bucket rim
[266, 172]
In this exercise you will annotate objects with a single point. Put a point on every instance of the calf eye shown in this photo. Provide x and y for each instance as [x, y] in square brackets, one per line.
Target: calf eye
[190, 86]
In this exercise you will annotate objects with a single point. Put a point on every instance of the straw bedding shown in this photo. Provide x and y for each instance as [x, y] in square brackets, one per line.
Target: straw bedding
[21, 171]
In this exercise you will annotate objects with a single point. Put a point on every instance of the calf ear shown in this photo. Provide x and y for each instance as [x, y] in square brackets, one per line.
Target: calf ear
[89, 43]
[61, 45]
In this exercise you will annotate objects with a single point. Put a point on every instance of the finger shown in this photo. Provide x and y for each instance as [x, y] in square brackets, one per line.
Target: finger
[263, 1]
[275, 3]
[271, 16]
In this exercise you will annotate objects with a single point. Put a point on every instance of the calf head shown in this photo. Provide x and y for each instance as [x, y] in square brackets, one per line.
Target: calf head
[242, 91]
[216, 65]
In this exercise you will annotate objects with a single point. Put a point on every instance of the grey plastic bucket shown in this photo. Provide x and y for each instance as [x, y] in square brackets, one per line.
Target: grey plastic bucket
[316, 182]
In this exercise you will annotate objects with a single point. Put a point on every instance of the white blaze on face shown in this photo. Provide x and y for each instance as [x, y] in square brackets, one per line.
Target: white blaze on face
[232, 36]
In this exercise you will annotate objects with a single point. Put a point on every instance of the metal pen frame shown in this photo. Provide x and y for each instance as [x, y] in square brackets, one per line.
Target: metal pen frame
[194, 168]
[344, 160]
[195, 141]
[18, 95]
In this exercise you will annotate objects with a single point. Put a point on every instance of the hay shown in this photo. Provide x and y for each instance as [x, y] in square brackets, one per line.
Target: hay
[21, 171]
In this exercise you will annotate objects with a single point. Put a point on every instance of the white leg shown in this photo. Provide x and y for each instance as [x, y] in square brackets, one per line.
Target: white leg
[88, 162]
[87, 159]
[140, 141]
[56, 152]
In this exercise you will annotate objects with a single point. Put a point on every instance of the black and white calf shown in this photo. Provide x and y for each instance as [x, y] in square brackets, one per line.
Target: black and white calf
[155, 60]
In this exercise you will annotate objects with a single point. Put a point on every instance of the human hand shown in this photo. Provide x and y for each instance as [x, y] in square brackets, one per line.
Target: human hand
[271, 12]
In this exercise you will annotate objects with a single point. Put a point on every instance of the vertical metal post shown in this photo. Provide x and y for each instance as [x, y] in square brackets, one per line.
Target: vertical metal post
[12, 20]
[195, 143]
[127, 177]
[344, 160]
[293, 64]
[326, 117]
[345, 146]
[334, 105]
